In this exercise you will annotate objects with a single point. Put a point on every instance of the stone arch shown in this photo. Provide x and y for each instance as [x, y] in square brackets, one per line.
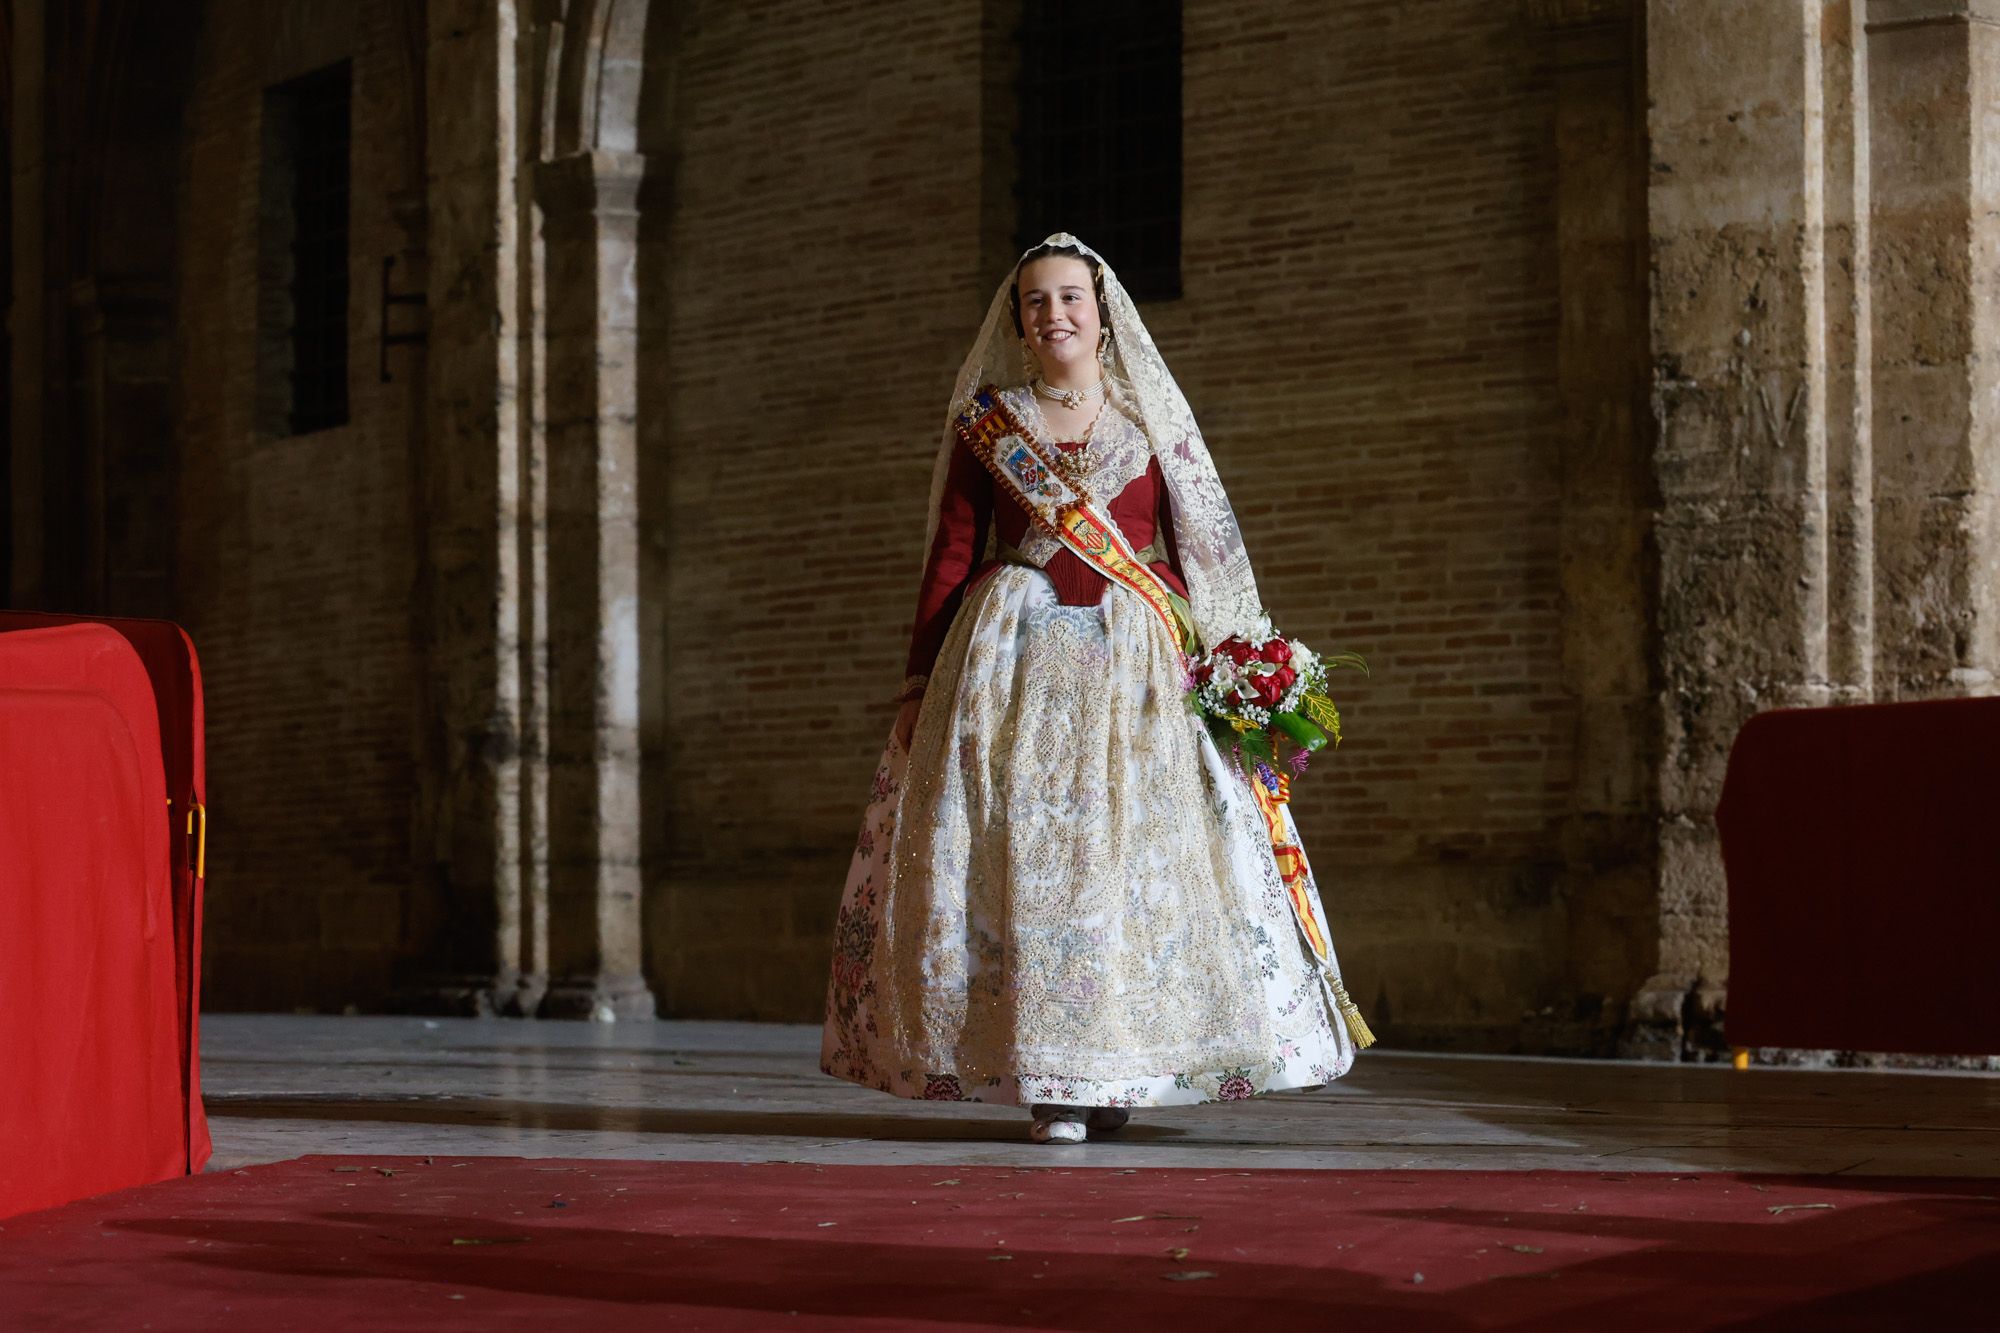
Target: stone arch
[594, 64]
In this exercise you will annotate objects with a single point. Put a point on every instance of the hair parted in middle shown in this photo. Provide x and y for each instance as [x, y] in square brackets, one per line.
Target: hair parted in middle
[1046, 251]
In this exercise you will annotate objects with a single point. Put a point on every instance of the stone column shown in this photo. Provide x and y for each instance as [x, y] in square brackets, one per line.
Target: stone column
[1850, 353]
[1736, 208]
[471, 493]
[590, 208]
[1932, 68]
[1609, 836]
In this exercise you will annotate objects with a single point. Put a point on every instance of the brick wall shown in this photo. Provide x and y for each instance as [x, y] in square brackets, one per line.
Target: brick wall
[297, 559]
[1367, 337]
[821, 285]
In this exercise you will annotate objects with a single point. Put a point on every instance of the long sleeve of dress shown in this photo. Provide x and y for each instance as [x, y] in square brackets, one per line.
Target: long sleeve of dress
[965, 512]
[1163, 518]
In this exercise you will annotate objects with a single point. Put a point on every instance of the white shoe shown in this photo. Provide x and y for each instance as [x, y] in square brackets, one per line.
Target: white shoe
[1058, 1131]
[1059, 1124]
[1107, 1119]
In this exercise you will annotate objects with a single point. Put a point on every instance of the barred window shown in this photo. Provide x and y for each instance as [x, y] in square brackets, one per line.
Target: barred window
[1100, 134]
[303, 261]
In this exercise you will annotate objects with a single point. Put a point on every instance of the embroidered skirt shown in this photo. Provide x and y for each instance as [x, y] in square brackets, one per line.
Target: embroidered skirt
[1063, 892]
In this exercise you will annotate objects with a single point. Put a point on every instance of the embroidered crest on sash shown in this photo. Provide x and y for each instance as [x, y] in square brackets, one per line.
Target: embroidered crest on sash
[1030, 473]
[996, 437]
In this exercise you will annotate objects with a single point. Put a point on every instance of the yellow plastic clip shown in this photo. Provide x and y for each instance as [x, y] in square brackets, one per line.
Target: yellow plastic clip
[198, 817]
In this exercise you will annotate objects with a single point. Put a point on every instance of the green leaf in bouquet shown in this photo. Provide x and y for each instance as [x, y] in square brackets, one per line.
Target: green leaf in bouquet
[1258, 746]
[1320, 710]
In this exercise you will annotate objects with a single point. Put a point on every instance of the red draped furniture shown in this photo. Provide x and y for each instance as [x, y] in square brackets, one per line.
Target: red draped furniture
[102, 833]
[1862, 846]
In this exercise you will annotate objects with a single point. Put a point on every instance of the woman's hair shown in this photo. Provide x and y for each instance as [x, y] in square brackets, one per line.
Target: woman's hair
[1059, 251]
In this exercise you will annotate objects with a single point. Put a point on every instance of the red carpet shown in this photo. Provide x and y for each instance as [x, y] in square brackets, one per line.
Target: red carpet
[395, 1243]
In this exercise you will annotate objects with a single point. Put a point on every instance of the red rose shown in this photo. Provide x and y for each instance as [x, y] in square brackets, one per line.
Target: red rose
[1269, 691]
[1284, 675]
[1203, 673]
[1237, 651]
[1276, 651]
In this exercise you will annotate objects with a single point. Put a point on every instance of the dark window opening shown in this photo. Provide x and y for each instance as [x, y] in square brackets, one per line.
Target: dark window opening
[303, 259]
[1100, 134]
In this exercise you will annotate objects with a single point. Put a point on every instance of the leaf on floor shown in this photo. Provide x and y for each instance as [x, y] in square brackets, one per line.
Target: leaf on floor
[347, 1170]
[996, 1258]
[1187, 1275]
[384, 1172]
[1525, 1249]
[1777, 1208]
[489, 1240]
[945, 1182]
[1178, 1252]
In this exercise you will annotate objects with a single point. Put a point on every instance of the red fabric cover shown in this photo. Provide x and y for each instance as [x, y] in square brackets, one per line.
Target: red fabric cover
[485, 1243]
[966, 511]
[90, 1063]
[170, 661]
[1864, 878]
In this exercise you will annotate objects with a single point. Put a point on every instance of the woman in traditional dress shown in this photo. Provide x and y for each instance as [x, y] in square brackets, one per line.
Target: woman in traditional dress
[1064, 896]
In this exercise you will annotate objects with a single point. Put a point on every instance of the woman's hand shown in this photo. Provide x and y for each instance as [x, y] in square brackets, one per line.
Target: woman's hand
[906, 721]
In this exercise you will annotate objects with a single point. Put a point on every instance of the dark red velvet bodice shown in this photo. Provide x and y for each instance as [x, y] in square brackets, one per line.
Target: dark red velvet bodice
[968, 510]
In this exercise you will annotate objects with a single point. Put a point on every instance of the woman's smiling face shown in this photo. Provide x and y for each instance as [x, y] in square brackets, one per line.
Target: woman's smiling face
[1059, 315]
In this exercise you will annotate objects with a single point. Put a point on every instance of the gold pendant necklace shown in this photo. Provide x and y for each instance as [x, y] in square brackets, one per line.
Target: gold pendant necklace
[1080, 462]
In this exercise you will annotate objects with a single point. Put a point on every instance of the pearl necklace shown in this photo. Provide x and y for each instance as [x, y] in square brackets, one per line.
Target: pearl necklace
[1070, 398]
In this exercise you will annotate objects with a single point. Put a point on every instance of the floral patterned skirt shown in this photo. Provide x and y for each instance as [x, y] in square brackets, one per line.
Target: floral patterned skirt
[1063, 892]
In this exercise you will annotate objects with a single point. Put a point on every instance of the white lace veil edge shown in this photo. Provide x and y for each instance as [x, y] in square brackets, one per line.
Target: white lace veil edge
[1222, 592]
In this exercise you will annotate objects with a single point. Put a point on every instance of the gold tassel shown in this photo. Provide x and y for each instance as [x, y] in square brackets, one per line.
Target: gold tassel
[1357, 1026]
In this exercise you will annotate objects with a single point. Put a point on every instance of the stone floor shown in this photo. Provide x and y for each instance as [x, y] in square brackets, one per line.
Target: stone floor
[279, 1087]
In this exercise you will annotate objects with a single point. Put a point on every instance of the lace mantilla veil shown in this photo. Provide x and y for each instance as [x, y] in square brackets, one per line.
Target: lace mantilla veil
[1221, 589]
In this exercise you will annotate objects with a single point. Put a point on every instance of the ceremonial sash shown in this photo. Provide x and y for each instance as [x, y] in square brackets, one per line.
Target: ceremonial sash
[1272, 795]
[1059, 506]
[1292, 867]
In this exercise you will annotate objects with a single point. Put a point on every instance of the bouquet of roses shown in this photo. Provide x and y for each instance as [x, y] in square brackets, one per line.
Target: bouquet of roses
[1260, 692]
